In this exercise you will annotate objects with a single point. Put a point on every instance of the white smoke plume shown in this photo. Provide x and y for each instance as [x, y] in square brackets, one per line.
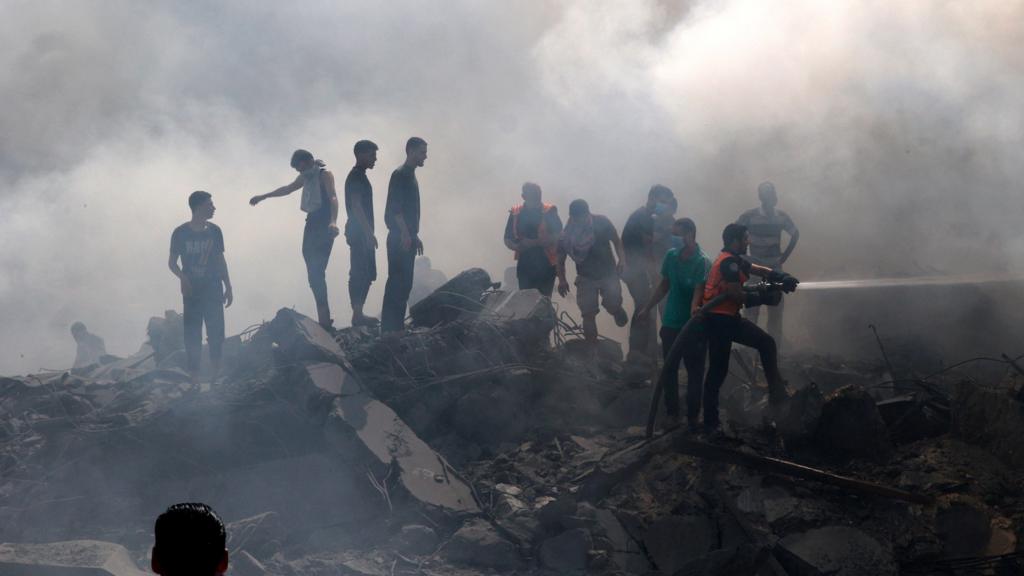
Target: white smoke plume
[892, 130]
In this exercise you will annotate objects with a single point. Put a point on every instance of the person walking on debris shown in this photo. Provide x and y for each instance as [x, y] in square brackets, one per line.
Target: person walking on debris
[641, 266]
[402, 217]
[588, 240]
[359, 234]
[320, 203]
[724, 325]
[683, 273]
[531, 232]
[89, 348]
[766, 225]
[205, 283]
[189, 540]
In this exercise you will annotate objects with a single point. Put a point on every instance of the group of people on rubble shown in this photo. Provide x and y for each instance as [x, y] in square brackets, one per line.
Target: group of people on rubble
[655, 244]
[197, 246]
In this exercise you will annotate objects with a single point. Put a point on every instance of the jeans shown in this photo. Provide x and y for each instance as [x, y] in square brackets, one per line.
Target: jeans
[362, 271]
[401, 263]
[317, 244]
[691, 349]
[206, 304]
[722, 331]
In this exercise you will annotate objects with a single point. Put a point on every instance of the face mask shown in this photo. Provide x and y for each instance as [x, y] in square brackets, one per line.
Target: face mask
[662, 208]
[678, 242]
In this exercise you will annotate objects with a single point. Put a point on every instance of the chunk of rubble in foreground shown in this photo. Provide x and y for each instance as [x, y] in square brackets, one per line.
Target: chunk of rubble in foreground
[71, 558]
[837, 551]
[423, 473]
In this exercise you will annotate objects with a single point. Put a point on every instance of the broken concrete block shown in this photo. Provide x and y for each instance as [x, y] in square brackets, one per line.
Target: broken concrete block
[423, 473]
[477, 543]
[963, 525]
[302, 339]
[566, 552]
[71, 558]
[741, 559]
[798, 418]
[417, 540]
[837, 551]
[851, 427]
[989, 418]
[625, 552]
[673, 541]
[260, 535]
[910, 418]
[456, 296]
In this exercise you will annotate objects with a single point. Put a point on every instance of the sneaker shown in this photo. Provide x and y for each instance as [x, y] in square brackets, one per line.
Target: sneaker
[621, 318]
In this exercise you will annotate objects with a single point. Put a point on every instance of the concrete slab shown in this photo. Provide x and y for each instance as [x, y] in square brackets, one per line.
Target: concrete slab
[70, 558]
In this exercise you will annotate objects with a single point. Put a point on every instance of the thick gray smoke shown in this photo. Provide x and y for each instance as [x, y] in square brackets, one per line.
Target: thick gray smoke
[892, 130]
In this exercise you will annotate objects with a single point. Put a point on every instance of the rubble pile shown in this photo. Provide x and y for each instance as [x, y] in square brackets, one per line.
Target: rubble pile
[469, 444]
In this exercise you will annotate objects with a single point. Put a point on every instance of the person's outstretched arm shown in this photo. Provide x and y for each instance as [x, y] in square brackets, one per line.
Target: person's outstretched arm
[286, 190]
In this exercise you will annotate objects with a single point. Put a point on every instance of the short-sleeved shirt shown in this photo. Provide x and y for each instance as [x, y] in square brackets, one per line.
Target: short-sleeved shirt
[199, 251]
[600, 262]
[358, 187]
[684, 276]
[766, 234]
[638, 234]
[403, 199]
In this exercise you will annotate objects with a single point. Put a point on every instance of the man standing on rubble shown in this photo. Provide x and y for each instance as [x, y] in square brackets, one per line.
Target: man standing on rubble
[766, 225]
[588, 239]
[359, 231]
[531, 232]
[724, 325]
[320, 203]
[640, 267]
[402, 217]
[205, 283]
[683, 273]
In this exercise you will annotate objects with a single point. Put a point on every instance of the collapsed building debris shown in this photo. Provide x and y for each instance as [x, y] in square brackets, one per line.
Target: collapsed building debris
[476, 442]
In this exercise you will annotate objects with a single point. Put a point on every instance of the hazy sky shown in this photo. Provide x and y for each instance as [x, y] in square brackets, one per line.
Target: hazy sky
[893, 131]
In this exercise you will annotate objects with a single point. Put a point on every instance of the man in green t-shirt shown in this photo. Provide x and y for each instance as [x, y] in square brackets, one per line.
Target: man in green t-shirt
[683, 272]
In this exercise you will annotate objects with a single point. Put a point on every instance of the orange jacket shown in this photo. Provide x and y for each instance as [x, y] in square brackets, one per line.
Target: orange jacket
[716, 285]
[542, 231]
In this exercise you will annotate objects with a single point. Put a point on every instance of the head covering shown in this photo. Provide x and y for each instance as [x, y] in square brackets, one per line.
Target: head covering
[578, 237]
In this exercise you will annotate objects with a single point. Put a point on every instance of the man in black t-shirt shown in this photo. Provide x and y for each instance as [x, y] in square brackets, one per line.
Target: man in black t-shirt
[532, 232]
[359, 231]
[205, 284]
[588, 239]
[642, 263]
[320, 203]
[402, 217]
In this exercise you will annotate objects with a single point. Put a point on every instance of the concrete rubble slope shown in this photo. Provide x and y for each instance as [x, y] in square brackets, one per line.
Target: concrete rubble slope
[74, 558]
[490, 442]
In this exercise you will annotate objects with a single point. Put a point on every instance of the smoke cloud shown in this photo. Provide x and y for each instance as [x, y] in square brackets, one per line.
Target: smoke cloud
[891, 130]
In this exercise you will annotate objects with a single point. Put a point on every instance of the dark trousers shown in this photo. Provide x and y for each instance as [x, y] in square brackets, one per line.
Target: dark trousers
[540, 279]
[695, 349]
[317, 244]
[362, 271]
[396, 291]
[205, 305]
[722, 331]
[641, 333]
